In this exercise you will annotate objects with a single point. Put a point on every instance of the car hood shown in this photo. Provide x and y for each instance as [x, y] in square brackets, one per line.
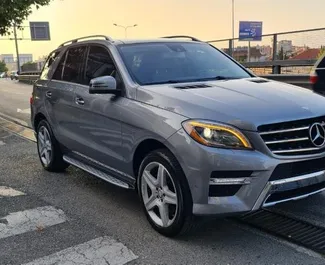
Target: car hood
[244, 103]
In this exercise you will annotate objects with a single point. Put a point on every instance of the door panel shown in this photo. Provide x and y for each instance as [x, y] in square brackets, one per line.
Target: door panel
[98, 123]
[99, 128]
[63, 115]
[60, 94]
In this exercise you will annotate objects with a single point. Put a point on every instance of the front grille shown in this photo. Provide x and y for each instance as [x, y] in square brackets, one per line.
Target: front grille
[291, 138]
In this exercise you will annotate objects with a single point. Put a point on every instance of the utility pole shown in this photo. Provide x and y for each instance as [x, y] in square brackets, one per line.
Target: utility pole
[16, 44]
[249, 52]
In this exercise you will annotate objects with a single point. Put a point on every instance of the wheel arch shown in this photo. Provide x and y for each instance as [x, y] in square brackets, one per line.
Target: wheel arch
[148, 145]
[37, 119]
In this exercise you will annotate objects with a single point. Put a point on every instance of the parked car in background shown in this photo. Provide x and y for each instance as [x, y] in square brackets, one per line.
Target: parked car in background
[182, 123]
[3, 75]
[14, 75]
[317, 76]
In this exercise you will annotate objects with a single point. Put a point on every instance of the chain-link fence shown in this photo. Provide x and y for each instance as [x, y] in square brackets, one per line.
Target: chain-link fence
[286, 52]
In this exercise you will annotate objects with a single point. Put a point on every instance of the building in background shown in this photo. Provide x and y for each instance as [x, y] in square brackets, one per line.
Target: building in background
[257, 53]
[285, 45]
[11, 62]
[7, 58]
[25, 58]
[307, 54]
[266, 50]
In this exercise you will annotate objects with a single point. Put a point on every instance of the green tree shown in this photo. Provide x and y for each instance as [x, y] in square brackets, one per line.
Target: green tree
[282, 55]
[16, 12]
[27, 63]
[3, 67]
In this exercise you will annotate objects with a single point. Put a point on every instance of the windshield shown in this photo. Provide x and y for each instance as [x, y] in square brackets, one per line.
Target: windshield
[175, 62]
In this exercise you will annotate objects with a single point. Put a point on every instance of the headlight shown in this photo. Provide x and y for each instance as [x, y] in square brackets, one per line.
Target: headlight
[216, 134]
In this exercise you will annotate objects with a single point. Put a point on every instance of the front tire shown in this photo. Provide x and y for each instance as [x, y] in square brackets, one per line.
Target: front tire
[48, 149]
[165, 194]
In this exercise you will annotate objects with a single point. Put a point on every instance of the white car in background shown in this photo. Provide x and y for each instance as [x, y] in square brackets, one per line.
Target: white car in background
[14, 75]
[3, 75]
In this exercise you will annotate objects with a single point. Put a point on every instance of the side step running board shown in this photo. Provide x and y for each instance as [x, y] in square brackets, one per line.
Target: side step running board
[96, 172]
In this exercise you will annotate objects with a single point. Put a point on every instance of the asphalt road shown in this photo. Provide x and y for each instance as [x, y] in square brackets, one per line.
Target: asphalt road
[75, 218]
[14, 100]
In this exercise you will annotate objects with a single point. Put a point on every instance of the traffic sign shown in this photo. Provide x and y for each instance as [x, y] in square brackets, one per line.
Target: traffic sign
[250, 30]
[39, 31]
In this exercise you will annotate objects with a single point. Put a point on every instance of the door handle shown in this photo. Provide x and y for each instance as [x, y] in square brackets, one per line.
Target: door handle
[80, 101]
[48, 94]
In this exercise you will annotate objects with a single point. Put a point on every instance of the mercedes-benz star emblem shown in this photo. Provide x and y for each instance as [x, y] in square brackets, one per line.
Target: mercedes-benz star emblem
[317, 134]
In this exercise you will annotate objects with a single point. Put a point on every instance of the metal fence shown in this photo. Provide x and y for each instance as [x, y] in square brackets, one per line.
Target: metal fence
[298, 80]
[293, 52]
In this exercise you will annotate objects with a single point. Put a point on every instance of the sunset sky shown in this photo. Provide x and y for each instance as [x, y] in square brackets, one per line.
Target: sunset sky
[205, 19]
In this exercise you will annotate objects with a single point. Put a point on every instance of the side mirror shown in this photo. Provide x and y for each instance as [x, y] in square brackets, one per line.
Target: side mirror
[103, 85]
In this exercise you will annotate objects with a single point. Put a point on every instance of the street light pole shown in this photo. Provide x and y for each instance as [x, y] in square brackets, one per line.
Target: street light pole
[233, 19]
[125, 28]
[233, 26]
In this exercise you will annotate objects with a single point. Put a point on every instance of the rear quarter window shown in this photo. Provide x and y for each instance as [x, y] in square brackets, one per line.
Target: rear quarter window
[48, 65]
[321, 62]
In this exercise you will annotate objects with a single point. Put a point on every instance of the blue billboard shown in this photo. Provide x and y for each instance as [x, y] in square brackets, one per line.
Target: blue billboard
[250, 31]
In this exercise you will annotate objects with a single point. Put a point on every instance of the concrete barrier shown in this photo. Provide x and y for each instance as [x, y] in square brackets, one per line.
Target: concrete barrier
[28, 77]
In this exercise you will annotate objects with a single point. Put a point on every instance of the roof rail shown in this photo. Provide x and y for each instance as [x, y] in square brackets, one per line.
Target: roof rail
[181, 36]
[86, 37]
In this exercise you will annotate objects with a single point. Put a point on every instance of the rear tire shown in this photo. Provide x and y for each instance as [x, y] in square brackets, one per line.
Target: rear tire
[164, 194]
[48, 149]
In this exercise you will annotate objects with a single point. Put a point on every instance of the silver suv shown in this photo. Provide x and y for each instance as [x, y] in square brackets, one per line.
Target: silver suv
[189, 128]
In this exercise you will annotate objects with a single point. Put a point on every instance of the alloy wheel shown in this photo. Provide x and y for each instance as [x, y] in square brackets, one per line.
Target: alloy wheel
[44, 146]
[159, 194]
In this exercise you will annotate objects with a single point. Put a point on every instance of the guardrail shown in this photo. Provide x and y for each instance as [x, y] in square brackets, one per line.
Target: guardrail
[298, 80]
[280, 63]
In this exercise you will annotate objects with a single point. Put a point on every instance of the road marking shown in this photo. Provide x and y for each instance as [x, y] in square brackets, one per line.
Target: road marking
[102, 250]
[26, 111]
[9, 192]
[14, 119]
[13, 92]
[30, 220]
[2, 143]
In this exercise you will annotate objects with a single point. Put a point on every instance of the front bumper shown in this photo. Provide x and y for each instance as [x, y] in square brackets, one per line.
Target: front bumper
[293, 188]
[227, 182]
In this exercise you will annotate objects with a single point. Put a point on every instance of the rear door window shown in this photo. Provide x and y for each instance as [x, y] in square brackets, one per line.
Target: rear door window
[58, 71]
[322, 62]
